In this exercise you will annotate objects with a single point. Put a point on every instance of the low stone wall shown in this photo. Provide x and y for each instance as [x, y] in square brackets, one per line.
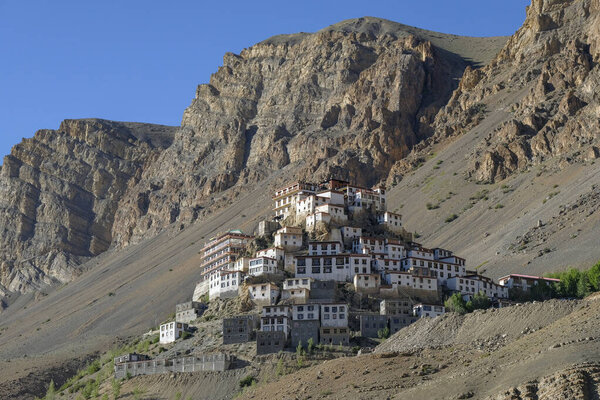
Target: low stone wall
[211, 362]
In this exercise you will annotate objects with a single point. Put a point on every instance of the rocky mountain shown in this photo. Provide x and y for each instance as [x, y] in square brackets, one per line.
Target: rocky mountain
[553, 59]
[59, 192]
[349, 101]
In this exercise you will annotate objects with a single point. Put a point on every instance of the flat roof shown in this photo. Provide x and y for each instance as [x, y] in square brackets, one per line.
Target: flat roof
[530, 277]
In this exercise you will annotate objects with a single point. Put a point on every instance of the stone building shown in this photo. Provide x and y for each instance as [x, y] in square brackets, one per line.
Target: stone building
[270, 342]
[189, 311]
[371, 324]
[240, 329]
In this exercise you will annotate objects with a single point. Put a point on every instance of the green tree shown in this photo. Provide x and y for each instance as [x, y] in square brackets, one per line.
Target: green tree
[456, 303]
[480, 301]
[584, 286]
[594, 277]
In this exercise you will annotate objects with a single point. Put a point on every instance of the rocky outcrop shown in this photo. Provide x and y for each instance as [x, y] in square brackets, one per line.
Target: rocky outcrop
[553, 61]
[343, 102]
[59, 192]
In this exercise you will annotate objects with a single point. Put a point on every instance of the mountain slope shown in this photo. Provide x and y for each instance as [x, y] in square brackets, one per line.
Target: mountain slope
[59, 192]
[514, 154]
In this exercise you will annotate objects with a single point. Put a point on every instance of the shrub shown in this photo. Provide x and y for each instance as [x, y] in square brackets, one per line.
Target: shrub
[451, 218]
[186, 335]
[247, 381]
[310, 345]
[51, 392]
[383, 333]
[456, 303]
[480, 301]
[499, 206]
[116, 388]
[432, 206]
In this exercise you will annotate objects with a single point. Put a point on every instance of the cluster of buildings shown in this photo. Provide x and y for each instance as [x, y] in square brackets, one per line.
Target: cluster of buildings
[361, 243]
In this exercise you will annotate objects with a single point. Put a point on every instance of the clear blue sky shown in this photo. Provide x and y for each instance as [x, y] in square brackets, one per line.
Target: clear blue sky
[133, 60]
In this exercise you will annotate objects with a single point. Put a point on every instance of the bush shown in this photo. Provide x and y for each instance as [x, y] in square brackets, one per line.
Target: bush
[186, 335]
[51, 392]
[451, 218]
[480, 301]
[116, 388]
[456, 303]
[311, 345]
[383, 333]
[247, 381]
[431, 206]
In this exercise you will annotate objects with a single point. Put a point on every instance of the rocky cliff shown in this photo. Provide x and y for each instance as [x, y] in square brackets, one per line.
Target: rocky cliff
[59, 192]
[348, 101]
[552, 64]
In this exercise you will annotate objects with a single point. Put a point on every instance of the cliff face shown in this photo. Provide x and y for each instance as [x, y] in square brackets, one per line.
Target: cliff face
[553, 61]
[59, 192]
[348, 103]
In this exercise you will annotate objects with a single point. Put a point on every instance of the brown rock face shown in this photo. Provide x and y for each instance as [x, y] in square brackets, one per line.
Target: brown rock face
[59, 192]
[553, 59]
[338, 102]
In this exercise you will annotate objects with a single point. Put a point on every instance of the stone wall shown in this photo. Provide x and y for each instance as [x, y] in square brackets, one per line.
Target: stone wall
[211, 362]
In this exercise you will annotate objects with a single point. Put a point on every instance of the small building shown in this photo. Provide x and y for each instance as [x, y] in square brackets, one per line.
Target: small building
[189, 311]
[372, 324]
[334, 336]
[315, 218]
[336, 212]
[298, 283]
[323, 291]
[171, 331]
[262, 265]
[469, 285]
[359, 263]
[295, 296]
[304, 330]
[394, 250]
[411, 280]
[130, 357]
[350, 233]
[320, 267]
[390, 220]
[268, 342]
[277, 253]
[239, 329]
[396, 307]
[428, 310]
[224, 284]
[524, 282]
[276, 318]
[367, 283]
[334, 314]
[304, 312]
[265, 227]
[398, 322]
[263, 293]
[241, 264]
[368, 245]
[324, 248]
[288, 238]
